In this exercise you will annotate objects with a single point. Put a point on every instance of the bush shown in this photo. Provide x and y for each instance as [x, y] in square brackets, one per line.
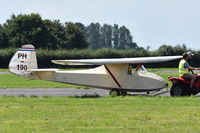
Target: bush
[5, 56]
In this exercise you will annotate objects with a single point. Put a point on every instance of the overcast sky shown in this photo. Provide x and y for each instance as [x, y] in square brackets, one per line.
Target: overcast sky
[151, 22]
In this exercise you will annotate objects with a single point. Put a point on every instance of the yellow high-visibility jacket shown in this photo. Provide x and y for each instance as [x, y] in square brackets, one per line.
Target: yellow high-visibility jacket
[182, 69]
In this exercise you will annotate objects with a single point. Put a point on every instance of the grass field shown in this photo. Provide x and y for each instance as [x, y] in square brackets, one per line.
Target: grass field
[100, 115]
[3, 70]
[128, 114]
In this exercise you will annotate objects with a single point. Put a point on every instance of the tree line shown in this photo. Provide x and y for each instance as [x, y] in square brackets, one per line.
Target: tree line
[52, 34]
[68, 40]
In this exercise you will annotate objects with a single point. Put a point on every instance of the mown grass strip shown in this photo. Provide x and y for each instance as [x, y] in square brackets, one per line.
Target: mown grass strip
[119, 114]
[3, 70]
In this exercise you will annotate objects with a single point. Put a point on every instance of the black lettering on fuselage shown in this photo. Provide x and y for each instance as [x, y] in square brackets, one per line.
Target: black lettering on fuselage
[22, 56]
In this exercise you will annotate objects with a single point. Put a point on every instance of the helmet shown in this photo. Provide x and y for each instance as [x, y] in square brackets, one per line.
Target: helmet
[190, 54]
[187, 54]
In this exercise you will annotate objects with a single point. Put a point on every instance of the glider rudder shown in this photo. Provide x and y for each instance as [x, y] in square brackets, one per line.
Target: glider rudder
[23, 60]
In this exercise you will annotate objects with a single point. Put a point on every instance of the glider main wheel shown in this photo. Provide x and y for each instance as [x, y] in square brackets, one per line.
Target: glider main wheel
[123, 93]
[114, 92]
[179, 90]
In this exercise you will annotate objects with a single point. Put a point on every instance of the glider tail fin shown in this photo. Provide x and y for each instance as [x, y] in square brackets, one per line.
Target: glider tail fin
[23, 60]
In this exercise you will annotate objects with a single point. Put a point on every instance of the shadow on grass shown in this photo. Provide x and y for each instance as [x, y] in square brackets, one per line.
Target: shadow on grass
[87, 96]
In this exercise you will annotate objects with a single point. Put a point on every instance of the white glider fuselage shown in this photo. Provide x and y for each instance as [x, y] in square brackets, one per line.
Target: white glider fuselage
[106, 77]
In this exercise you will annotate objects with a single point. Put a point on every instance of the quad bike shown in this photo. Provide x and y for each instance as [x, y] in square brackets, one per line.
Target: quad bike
[181, 86]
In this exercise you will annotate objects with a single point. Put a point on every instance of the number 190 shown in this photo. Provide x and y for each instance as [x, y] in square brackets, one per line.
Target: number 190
[22, 67]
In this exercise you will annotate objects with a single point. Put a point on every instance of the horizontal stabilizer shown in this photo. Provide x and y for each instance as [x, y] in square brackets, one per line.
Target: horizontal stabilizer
[139, 60]
[45, 74]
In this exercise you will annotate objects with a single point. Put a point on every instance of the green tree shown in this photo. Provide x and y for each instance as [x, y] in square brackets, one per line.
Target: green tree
[75, 37]
[81, 26]
[115, 36]
[31, 28]
[165, 50]
[125, 39]
[3, 38]
[94, 36]
[179, 49]
[55, 34]
[106, 36]
[23, 29]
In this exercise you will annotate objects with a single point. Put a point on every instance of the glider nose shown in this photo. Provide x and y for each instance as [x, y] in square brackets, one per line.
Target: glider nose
[165, 84]
[161, 83]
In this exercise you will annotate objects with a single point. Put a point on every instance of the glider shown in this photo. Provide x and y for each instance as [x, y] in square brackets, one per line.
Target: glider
[116, 75]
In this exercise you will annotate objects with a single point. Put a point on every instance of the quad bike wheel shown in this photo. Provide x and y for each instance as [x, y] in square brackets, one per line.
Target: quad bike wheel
[180, 90]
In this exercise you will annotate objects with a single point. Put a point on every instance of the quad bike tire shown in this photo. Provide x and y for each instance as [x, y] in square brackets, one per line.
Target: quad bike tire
[180, 90]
